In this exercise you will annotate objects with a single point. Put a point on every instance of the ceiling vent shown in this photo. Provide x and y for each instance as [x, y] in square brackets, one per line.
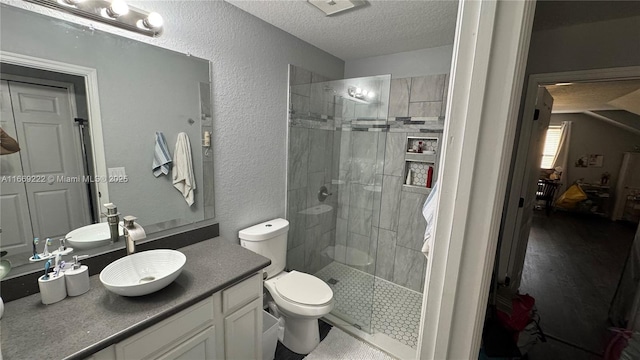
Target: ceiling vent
[333, 7]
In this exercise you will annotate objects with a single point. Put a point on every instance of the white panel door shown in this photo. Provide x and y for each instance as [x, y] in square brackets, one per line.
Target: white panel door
[519, 208]
[16, 235]
[45, 122]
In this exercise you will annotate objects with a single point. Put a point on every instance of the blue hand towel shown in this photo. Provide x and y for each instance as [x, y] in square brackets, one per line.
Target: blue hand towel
[161, 157]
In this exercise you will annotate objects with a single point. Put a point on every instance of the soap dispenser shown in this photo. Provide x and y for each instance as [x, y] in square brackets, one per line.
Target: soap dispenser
[77, 278]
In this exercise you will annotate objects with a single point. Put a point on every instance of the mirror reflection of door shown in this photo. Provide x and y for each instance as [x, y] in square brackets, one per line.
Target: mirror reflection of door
[35, 179]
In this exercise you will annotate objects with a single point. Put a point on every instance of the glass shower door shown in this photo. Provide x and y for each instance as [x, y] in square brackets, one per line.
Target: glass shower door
[339, 128]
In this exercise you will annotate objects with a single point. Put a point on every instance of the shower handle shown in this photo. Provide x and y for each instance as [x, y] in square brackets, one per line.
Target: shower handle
[323, 193]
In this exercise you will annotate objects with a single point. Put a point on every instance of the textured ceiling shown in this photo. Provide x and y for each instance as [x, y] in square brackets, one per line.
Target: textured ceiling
[379, 28]
[593, 96]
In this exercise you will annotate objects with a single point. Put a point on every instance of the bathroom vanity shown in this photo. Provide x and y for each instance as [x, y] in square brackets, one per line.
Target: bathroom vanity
[213, 310]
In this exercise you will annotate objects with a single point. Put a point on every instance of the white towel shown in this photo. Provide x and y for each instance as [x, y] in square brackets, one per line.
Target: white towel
[429, 212]
[182, 173]
[161, 157]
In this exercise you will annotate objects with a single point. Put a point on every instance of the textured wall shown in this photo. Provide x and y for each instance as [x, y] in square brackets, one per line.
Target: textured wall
[401, 65]
[249, 72]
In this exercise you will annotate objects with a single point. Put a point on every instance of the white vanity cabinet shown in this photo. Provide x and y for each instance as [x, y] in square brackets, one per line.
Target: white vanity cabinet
[227, 325]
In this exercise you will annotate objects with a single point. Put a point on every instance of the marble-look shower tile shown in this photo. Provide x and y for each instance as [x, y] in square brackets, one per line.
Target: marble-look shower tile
[411, 223]
[296, 202]
[360, 221]
[336, 140]
[298, 75]
[317, 99]
[427, 88]
[315, 181]
[395, 144]
[329, 168]
[390, 203]
[366, 111]
[348, 110]
[344, 194]
[376, 188]
[399, 97]
[386, 253]
[425, 108]
[380, 149]
[345, 152]
[299, 104]
[409, 268]
[363, 153]
[317, 241]
[298, 157]
[318, 149]
[295, 258]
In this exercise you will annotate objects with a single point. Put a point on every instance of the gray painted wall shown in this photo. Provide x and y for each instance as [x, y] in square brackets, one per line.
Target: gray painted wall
[249, 61]
[405, 64]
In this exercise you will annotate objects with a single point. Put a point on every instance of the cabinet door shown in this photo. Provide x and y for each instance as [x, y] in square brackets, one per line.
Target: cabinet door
[200, 346]
[243, 332]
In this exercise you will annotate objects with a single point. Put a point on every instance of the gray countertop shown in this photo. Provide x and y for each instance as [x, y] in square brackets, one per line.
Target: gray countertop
[78, 326]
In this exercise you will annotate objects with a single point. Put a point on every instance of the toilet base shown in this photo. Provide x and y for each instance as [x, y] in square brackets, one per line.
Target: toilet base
[301, 335]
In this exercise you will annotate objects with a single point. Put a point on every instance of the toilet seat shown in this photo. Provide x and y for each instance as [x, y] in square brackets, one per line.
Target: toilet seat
[304, 289]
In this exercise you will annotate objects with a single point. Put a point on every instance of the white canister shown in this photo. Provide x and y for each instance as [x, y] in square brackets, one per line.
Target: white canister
[53, 289]
[77, 280]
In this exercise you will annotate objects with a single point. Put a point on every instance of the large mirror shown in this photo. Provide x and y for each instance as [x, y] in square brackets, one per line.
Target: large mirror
[55, 73]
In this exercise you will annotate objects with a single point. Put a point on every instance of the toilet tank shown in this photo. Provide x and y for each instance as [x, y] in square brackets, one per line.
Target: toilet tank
[268, 239]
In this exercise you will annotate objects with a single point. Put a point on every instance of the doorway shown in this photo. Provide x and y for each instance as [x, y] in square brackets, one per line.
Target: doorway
[571, 261]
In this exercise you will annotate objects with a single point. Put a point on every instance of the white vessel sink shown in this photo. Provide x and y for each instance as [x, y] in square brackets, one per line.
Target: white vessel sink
[90, 236]
[143, 273]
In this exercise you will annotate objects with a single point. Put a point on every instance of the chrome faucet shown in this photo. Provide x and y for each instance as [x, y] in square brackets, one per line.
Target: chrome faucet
[132, 232]
[113, 218]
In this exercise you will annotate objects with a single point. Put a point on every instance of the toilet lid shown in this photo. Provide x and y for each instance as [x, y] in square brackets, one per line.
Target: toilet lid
[304, 289]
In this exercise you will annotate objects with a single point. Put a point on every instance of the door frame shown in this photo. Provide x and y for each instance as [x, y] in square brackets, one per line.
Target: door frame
[487, 78]
[535, 81]
[90, 76]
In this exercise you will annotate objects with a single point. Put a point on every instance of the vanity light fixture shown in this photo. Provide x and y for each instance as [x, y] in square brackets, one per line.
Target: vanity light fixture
[359, 93]
[113, 12]
[116, 9]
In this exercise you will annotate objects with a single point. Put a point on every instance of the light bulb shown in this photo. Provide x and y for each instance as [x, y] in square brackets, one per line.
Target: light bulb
[365, 92]
[117, 9]
[153, 21]
[371, 94]
[358, 91]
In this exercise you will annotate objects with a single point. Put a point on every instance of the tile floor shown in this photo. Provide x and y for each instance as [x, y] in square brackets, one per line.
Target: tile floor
[374, 304]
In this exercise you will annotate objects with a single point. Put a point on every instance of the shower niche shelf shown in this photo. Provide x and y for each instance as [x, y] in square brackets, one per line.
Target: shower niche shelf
[421, 153]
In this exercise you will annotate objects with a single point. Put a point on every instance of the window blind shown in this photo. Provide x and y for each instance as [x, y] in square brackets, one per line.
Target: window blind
[551, 142]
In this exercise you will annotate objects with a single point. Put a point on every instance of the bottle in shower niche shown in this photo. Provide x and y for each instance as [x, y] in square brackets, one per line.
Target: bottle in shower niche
[409, 176]
[429, 176]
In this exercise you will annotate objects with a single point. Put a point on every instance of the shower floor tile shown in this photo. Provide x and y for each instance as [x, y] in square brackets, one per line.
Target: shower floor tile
[396, 310]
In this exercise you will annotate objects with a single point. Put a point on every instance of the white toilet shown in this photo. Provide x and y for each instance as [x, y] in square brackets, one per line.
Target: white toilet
[301, 299]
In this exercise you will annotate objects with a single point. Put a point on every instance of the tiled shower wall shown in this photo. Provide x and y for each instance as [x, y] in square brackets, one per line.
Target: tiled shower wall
[311, 144]
[375, 223]
[401, 227]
